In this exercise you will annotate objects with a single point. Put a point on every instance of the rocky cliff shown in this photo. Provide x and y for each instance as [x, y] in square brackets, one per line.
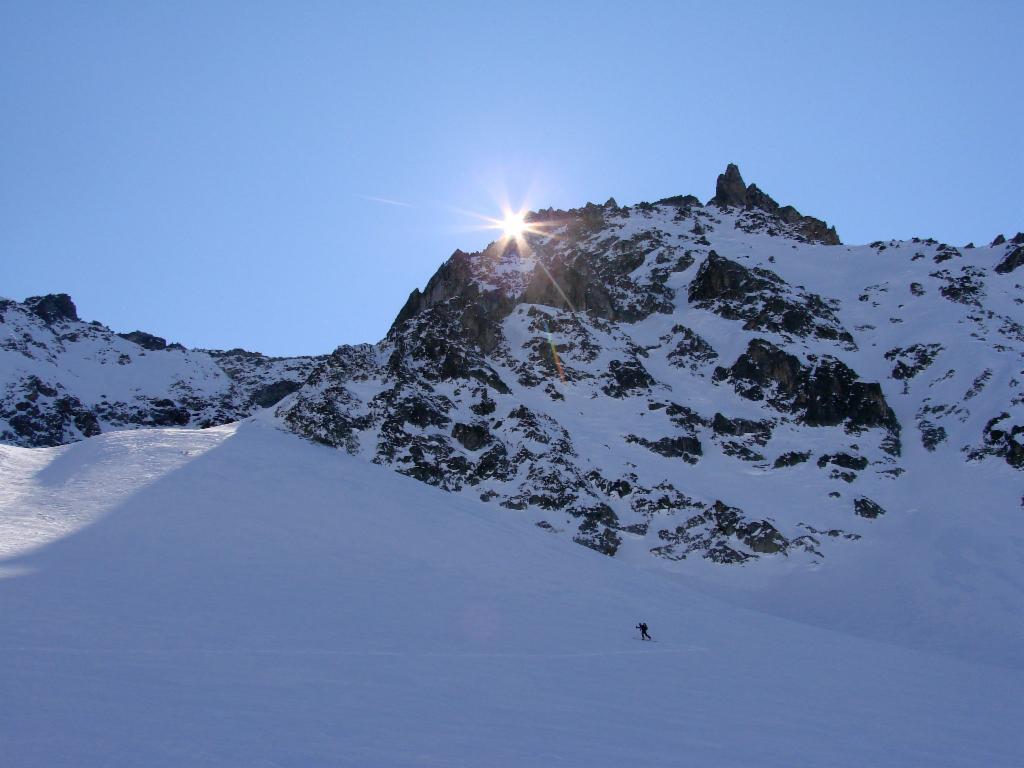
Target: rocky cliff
[725, 382]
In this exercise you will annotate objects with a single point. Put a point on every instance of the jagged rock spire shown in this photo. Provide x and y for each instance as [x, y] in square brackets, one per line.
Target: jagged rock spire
[732, 192]
[730, 189]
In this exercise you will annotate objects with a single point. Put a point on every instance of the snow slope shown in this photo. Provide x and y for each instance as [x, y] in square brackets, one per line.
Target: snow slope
[238, 596]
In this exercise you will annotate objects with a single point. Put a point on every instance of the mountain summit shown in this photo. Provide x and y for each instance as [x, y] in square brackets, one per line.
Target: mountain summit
[722, 383]
[725, 382]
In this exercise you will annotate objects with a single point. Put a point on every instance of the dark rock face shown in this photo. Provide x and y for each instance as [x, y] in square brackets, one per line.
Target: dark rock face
[598, 282]
[690, 350]
[167, 413]
[595, 280]
[911, 360]
[53, 308]
[865, 507]
[478, 312]
[966, 288]
[1012, 260]
[45, 416]
[761, 431]
[450, 281]
[845, 460]
[717, 532]
[827, 394]
[730, 191]
[765, 366]
[1002, 437]
[596, 532]
[764, 300]
[748, 436]
[832, 395]
[625, 378]
[722, 280]
[945, 252]
[816, 231]
[791, 459]
[473, 437]
[145, 340]
[680, 201]
[684, 447]
[569, 287]
[932, 435]
[271, 394]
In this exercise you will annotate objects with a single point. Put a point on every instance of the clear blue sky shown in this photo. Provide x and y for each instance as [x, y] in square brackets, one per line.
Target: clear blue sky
[203, 170]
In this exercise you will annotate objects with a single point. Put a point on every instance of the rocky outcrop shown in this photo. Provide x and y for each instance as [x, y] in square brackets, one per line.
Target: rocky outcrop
[473, 437]
[910, 361]
[828, 393]
[763, 300]
[968, 287]
[689, 349]
[685, 447]
[45, 416]
[791, 459]
[145, 340]
[732, 193]
[765, 370]
[53, 307]
[724, 534]
[865, 507]
[1004, 437]
[1011, 261]
[626, 378]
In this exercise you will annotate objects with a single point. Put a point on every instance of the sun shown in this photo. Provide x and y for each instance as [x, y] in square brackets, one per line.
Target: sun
[514, 224]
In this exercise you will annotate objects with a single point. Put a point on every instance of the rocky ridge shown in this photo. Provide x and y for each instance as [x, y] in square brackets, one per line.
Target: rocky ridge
[64, 379]
[722, 382]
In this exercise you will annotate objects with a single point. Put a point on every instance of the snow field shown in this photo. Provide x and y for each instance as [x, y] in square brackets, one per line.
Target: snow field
[238, 596]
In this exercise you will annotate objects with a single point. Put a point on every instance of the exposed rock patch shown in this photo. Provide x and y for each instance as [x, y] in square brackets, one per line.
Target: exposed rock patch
[763, 300]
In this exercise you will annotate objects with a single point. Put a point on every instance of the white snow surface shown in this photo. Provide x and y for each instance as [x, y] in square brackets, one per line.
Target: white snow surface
[238, 596]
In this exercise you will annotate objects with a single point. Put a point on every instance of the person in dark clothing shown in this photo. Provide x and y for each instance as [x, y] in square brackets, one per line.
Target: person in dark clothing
[643, 631]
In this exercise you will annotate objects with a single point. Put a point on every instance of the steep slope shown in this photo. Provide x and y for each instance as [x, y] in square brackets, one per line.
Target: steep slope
[239, 596]
[63, 379]
[723, 382]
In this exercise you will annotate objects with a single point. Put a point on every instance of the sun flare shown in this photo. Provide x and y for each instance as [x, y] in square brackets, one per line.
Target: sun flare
[514, 224]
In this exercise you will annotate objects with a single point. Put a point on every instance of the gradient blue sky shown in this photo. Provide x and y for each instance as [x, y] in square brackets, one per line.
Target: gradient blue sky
[204, 171]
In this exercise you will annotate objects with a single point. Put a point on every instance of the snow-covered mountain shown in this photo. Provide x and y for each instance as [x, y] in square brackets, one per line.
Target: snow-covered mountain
[723, 381]
[804, 458]
[64, 379]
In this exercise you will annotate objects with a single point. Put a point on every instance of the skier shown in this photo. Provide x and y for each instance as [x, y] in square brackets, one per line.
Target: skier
[643, 631]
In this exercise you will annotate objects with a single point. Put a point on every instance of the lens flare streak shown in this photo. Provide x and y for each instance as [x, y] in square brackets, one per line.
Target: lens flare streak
[554, 355]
